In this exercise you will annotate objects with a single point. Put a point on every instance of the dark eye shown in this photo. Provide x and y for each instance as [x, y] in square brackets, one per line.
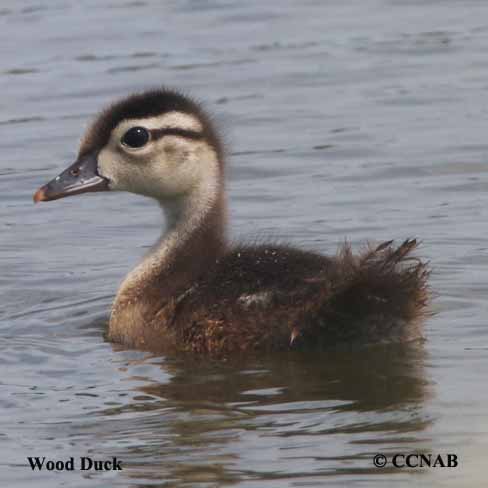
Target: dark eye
[135, 137]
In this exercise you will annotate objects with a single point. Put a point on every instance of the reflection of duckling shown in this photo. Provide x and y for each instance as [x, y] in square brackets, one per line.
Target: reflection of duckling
[194, 292]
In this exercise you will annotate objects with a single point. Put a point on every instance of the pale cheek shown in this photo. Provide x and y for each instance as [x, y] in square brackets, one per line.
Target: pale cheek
[112, 166]
[175, 154]
[106, 165]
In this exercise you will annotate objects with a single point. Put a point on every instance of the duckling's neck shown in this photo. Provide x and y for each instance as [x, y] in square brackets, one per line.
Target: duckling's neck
[194, 239]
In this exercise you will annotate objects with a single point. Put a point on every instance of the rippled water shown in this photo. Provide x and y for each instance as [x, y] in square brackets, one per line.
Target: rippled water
[358, 120]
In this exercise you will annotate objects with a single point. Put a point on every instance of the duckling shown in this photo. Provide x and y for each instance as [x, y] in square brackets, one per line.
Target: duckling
[196, 292]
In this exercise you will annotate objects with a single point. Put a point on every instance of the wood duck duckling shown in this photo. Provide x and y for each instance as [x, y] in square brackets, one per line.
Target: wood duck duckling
[195, 292]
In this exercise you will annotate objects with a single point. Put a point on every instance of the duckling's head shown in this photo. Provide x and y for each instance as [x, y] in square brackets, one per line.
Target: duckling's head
[159, 143]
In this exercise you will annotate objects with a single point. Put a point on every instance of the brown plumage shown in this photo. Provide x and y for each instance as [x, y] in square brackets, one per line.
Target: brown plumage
[275, 298]
[196, 293]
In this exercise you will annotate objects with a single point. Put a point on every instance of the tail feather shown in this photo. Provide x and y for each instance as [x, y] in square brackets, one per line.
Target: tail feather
[380, 294]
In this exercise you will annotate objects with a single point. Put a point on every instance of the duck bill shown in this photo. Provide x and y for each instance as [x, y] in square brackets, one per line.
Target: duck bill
[81, 177]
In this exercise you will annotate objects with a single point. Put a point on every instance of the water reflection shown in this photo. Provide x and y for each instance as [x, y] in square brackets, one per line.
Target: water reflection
[223, 422]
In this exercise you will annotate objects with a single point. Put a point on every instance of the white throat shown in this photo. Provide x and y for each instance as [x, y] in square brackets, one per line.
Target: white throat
[184, 216]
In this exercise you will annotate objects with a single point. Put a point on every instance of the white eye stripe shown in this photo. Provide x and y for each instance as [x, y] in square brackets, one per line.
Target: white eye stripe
[178, 120]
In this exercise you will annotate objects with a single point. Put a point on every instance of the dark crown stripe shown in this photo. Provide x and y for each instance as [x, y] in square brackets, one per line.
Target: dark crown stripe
[175, 131]
[153, 103]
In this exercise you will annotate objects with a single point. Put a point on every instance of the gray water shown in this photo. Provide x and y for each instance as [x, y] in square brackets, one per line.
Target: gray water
[360, 120]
